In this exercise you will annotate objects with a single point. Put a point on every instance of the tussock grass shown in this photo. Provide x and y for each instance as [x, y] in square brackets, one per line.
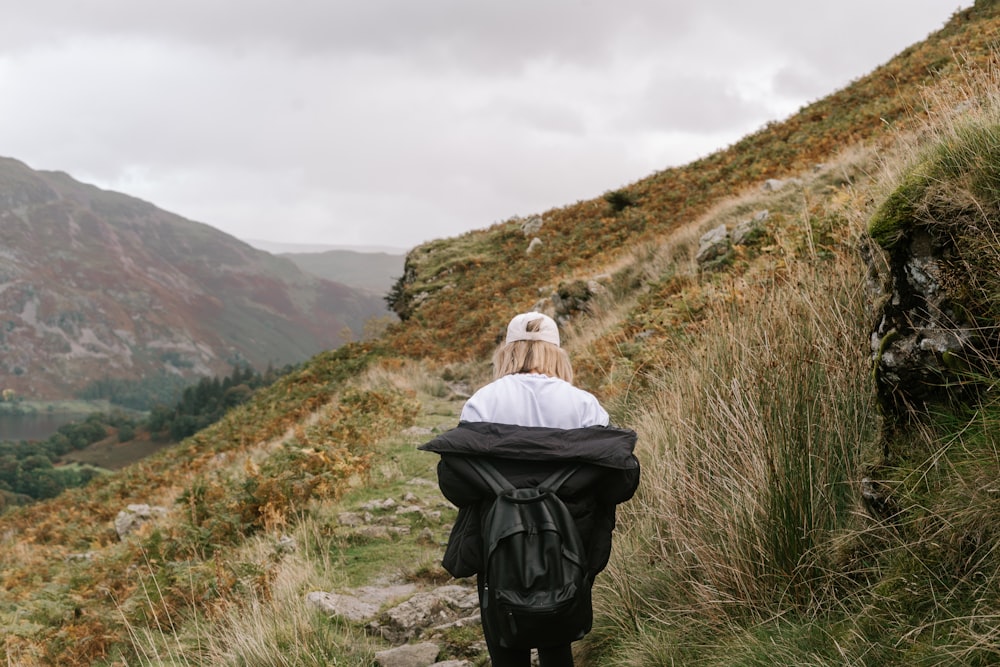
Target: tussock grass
[752, 442]
[267, 623]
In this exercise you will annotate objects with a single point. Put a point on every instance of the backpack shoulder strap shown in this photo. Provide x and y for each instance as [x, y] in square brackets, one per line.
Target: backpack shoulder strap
[497, 482]
[554, 481]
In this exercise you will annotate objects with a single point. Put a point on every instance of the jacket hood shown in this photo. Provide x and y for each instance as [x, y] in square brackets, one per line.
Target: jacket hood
[609, 447]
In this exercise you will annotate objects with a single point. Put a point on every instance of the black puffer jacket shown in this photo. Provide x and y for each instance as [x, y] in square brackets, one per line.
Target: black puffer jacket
[526, 456]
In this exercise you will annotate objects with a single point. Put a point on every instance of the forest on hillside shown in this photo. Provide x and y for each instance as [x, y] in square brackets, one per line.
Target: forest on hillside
[36, 470]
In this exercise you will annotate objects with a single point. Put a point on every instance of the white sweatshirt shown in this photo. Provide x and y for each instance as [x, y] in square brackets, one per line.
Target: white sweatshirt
[530, 399]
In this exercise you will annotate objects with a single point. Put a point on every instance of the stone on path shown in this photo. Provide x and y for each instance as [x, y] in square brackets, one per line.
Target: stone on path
[358, 604]
[410, 655]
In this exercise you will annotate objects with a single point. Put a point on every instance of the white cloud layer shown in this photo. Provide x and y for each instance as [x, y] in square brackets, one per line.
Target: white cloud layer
[392, 122]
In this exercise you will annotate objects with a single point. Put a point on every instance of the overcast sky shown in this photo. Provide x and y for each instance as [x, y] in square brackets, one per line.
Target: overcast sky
[393, 122]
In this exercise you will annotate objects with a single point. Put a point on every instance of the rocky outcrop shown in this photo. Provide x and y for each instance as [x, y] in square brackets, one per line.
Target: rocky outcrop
[428, 612]
[404, 616]
[532, 225]
[716, 246]
[135, 516]
[920, 334]
[570, 298]
[935, 262]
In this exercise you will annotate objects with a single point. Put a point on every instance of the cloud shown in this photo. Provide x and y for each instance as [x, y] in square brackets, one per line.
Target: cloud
[364, 120]
[700, 105]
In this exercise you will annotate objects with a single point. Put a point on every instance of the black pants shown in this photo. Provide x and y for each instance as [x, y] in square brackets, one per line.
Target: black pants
[553, 656]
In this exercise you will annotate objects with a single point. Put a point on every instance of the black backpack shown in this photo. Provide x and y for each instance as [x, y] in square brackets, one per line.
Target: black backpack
[536, 591]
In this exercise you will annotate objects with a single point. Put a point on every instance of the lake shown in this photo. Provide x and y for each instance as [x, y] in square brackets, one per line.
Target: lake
[34, 426]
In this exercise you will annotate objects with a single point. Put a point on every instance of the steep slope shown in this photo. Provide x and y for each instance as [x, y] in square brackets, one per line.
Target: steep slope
[464, 283]
[97, 284]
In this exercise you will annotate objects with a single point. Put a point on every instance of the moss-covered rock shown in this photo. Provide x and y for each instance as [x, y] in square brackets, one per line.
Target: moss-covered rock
[897, 215]
[934, 336]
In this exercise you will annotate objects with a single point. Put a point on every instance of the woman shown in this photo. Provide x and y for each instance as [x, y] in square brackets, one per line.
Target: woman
[531, 422]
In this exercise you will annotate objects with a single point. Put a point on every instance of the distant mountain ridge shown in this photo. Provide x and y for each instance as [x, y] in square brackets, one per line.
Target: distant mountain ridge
[98, 284]
[372, 271]
[279, 248]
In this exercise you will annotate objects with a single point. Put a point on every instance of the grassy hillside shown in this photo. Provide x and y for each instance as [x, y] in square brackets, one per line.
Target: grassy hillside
[784, 516]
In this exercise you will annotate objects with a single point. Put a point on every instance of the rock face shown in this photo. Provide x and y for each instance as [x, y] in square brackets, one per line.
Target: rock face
[936, 262]
[919, 335]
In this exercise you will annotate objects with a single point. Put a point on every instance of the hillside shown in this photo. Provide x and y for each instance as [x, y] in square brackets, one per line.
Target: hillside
[97, 284]
[814, 397]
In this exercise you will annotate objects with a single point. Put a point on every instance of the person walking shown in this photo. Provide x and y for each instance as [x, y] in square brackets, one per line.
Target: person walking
[531, 424]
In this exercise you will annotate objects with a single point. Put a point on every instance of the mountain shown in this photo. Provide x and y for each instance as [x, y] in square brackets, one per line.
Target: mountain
[97, 284]
[278, 248]
[802, 329]
[374, 272]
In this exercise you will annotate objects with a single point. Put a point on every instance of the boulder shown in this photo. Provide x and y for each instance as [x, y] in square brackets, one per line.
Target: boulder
[439, 606]
[931, 245]
[342, 606]
[748, 231]
[359, 604]
[714, 246]
[775, 184]
[532, 225]
[133, 517]
[411, 655]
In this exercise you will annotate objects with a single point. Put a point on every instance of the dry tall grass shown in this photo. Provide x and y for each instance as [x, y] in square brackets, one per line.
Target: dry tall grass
[267, 623]
[751, 444]
[747, 543]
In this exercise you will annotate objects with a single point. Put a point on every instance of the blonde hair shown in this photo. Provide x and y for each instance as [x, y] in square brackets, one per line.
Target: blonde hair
[532, 356]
